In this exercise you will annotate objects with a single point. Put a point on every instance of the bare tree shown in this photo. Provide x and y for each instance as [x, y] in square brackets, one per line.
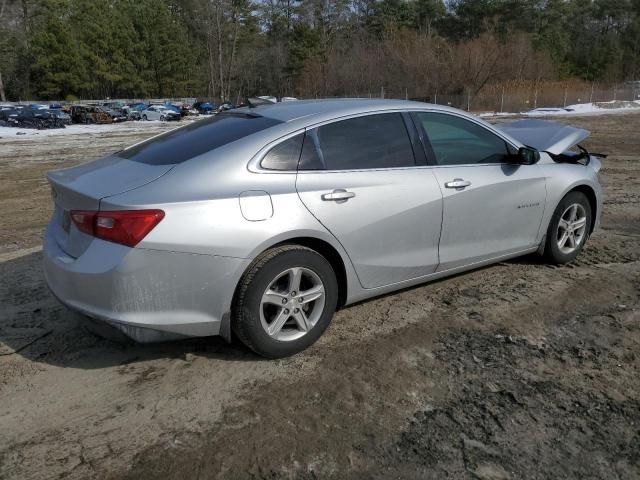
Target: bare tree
[223, 22]
[3, 97]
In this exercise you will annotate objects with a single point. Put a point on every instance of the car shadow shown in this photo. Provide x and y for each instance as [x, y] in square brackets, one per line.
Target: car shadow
[34, 325]
[530, 259]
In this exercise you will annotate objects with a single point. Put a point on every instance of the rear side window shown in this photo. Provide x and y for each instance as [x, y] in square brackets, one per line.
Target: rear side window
[372, 141]
[285, 155]
[197, 138]
[456, 141]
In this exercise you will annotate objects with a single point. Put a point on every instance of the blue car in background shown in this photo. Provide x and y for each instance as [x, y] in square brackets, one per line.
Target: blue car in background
[138, 107]
[204, 108]
[172, 107]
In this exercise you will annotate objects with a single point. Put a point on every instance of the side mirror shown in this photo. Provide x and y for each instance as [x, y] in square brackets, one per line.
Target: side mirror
[527, 156]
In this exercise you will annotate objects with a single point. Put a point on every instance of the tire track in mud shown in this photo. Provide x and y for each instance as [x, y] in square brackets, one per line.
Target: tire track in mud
[477, 391]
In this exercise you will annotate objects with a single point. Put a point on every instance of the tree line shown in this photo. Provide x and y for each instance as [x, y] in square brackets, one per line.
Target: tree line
[228, 49]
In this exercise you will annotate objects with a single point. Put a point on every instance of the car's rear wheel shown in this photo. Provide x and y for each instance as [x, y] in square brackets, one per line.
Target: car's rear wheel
[162, 118]
[569, 228]
[285, 301]
[144, 117]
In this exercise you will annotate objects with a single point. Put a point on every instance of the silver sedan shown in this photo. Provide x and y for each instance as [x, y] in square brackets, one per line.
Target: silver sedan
[262, 221]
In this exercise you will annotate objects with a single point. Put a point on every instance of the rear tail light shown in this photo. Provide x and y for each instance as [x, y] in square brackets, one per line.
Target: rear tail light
[127, 227]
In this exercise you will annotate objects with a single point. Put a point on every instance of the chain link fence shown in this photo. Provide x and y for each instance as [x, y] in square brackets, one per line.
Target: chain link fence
[497, 98]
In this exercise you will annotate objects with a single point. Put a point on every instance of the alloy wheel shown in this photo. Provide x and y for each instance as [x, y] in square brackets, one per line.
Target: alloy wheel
[292, 304]
[571, 228]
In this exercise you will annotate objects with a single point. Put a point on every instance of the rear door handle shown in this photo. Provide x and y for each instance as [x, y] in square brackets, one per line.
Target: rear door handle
[458, 183]
[339, 195]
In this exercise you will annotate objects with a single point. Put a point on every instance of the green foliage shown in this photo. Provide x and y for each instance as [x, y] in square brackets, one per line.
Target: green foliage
[53, 49]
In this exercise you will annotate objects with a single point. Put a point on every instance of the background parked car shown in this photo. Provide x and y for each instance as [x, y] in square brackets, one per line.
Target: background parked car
[133, 114]
[61, 118]
[159, 112]
[138, 106]
[33, 116]
[117, 115]
[172, 107]
[186, 109]
[226, 106]
[9, 116]
[204, 108]
[89, 114]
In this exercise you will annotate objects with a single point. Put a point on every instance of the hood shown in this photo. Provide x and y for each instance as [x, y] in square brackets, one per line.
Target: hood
[545, 136]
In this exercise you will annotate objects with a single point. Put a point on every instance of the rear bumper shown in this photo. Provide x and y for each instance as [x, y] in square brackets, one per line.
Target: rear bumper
[175, 294]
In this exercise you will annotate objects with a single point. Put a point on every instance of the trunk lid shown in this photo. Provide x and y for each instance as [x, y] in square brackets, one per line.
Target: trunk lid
[82, 188]
[545, 136]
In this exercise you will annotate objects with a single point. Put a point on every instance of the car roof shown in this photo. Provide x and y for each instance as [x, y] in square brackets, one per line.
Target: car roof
[306, 109]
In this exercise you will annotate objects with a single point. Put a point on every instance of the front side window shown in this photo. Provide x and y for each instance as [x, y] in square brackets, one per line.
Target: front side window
[456, 141]
[372, 141]
[285, 155]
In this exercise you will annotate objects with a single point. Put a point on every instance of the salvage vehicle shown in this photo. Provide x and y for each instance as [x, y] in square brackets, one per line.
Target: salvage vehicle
[134, 115]
[172, 107]
[262, 221]
[33, 117]
[138, 106]
[159, 112]
[89, 114]
[223, 107]
[204, 108]
[115, 114]
[61, 117]
[8, 117]
[187, 110]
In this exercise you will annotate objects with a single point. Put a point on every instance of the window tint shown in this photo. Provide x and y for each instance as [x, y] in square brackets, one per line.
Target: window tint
[456, 141]
[373, 141]
[285, 155]
[197, 138]
[310, 158]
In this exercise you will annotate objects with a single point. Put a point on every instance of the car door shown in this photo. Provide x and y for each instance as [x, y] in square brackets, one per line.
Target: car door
[492, 206]
[358, 177]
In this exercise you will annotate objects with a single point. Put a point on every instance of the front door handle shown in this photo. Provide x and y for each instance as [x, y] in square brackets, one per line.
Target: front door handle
[458, 184]
[339, 195]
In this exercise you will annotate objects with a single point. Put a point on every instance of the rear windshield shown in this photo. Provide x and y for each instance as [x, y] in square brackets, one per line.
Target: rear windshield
[200, 137]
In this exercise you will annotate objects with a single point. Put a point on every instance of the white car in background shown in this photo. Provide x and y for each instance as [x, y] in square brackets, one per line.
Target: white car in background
[159, 112]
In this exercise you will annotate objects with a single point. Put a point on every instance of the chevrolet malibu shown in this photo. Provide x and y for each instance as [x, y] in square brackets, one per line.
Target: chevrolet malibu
[262, 221]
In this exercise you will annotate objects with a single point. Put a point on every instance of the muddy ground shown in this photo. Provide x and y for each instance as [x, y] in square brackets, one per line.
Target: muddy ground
[518, 370]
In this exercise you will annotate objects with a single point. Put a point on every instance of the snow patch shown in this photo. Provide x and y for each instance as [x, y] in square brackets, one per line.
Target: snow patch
[587, 108]
[592, 108]
[78, 129]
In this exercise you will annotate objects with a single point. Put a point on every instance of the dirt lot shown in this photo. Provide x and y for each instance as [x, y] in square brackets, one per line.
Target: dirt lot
[514, 371]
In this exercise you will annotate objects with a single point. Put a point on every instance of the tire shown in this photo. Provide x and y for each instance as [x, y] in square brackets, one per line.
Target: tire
[162, 118]
[144, 117]
[275, 271]
[553, 251]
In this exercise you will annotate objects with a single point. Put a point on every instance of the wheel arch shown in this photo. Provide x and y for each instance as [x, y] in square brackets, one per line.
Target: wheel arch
[593, 201]
[332, 255]
[316, 244]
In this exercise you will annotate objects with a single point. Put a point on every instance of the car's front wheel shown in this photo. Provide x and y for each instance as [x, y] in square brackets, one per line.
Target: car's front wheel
[285, 301]
[569, 228]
